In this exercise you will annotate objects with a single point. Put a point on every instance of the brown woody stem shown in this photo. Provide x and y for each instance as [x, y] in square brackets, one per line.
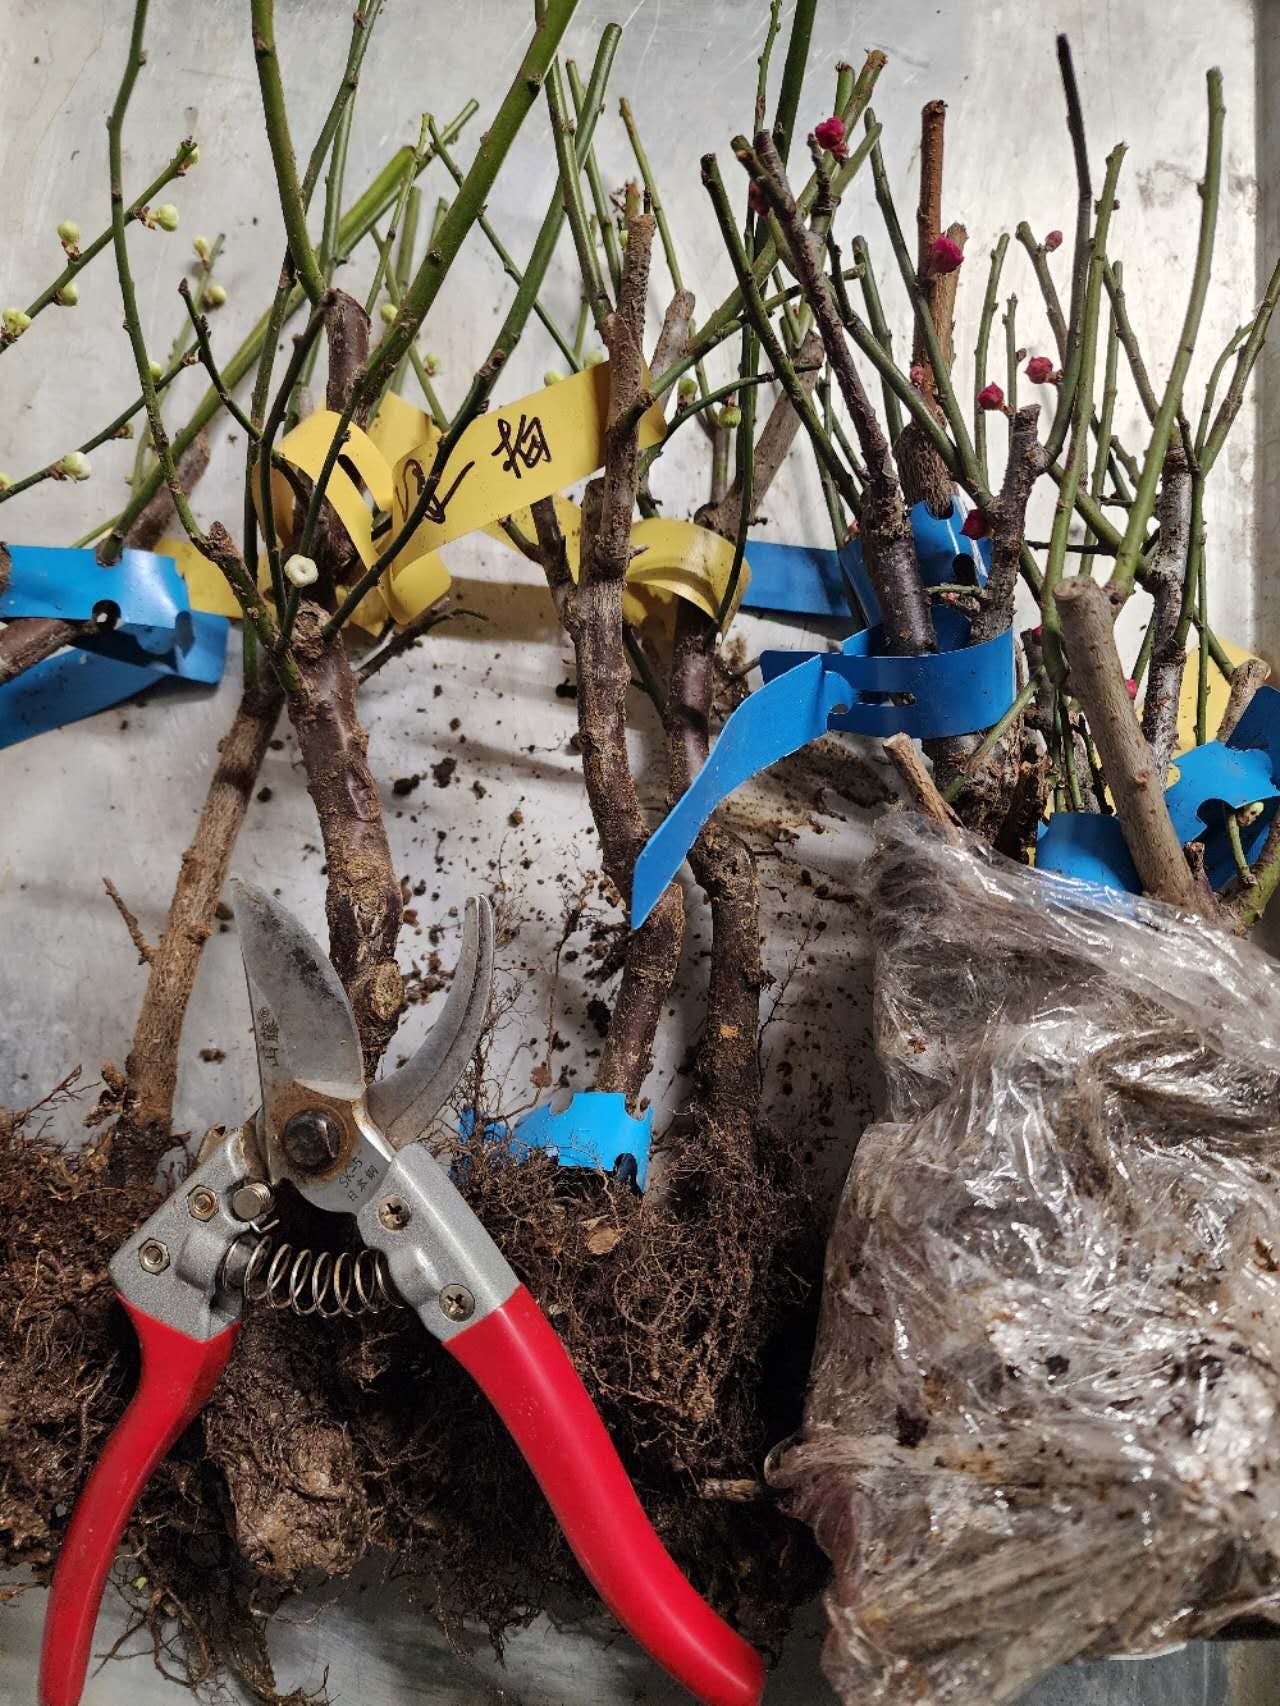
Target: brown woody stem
[362, 899]
[139, 1140]
[885, 525]
[1165, 581]
[592, 616]
[1098, 680]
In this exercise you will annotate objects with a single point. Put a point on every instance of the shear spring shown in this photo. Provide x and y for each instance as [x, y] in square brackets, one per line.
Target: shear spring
[316, 1282]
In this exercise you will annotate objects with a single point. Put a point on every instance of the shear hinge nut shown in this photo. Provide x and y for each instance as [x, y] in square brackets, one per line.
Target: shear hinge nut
[153, 1256]
[202, 1204]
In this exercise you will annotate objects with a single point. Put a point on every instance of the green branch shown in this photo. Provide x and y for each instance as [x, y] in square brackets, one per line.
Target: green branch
[562, 342]
[354, 227]
[178, 167]
[292, 206]
[1082, 414]
[1145, 496]
[225, 557]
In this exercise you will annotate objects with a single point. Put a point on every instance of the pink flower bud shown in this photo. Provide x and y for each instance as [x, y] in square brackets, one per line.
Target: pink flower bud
[830, 134]
[1053, 241]
[975, 525]
[1036, 633]
[1039, 370]
[756, 200]
[991, 397]
[1132, 686]
[917, 375]
[945, 256]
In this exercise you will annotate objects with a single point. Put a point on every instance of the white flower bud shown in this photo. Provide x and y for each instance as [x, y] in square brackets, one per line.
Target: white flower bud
[388, 312]
[193, 159]
[157, 370]
[6, 480]
[75, 465]
[15, 322]
[1250, 814]
[431, 365]
[201, 247]
[731, 416]
[68, 296]
[69, 232]
[594, 358]
[687, 389]
[552, 376]
[165, 216]
[301, 571]
[215, 296]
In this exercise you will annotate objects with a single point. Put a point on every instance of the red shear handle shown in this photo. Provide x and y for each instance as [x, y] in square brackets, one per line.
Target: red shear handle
[516, 1358]
[178, 1374]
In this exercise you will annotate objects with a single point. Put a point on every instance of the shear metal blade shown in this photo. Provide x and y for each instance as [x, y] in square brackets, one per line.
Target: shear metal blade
[406, 1103]
[302, 1020]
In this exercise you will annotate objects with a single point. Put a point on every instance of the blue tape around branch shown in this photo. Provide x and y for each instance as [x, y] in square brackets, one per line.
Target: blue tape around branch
[803, 580]
[1244, 770]
[147, 633]
[592, 1129]
[956, 690]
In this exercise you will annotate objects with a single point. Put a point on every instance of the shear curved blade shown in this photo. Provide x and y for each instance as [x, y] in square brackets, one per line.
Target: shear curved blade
[406, 1103]
[305, 1030]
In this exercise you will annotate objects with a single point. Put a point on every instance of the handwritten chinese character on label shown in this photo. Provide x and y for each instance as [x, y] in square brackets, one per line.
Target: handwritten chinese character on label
[437, 504]
[525, 445]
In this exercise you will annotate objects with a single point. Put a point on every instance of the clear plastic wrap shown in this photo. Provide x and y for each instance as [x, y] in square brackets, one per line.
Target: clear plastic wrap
[1043, 1420]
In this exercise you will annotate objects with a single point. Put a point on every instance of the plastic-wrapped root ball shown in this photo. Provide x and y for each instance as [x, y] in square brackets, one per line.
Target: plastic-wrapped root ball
[1044, 1420]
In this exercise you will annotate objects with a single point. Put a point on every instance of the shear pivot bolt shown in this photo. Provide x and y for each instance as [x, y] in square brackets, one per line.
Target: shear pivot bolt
[457, 1302]
[312, 1139]
[202, 1204]
[153, 1258]
[394, 1214]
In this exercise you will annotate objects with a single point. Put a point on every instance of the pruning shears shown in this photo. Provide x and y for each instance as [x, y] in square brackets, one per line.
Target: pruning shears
[350, 1148]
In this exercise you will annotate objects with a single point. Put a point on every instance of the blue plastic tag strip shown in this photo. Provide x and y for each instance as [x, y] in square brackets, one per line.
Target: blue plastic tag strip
[77, 683]
[1243, 771]
[803, 580]
[957, 690]
[593, 1130]
[143, 593]
[152, 634]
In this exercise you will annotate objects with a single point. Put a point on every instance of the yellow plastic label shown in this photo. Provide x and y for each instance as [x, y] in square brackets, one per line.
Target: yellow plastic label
[206, 584]
[674, 559]
[511, 457]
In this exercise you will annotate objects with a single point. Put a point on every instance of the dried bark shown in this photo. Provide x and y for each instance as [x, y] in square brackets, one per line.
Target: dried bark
[136, 1142]
[1027, 461]
[160, 516]
[1165, 578]
[925, 477]
[1097, 678]
[1246, 679]
[591, 613]
[775, 440]
[27, 640]
[362, 901]
[900, 749]
[885, 525]
[346, 328]
[673, 340]
[728, 1060]
[990, 790]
